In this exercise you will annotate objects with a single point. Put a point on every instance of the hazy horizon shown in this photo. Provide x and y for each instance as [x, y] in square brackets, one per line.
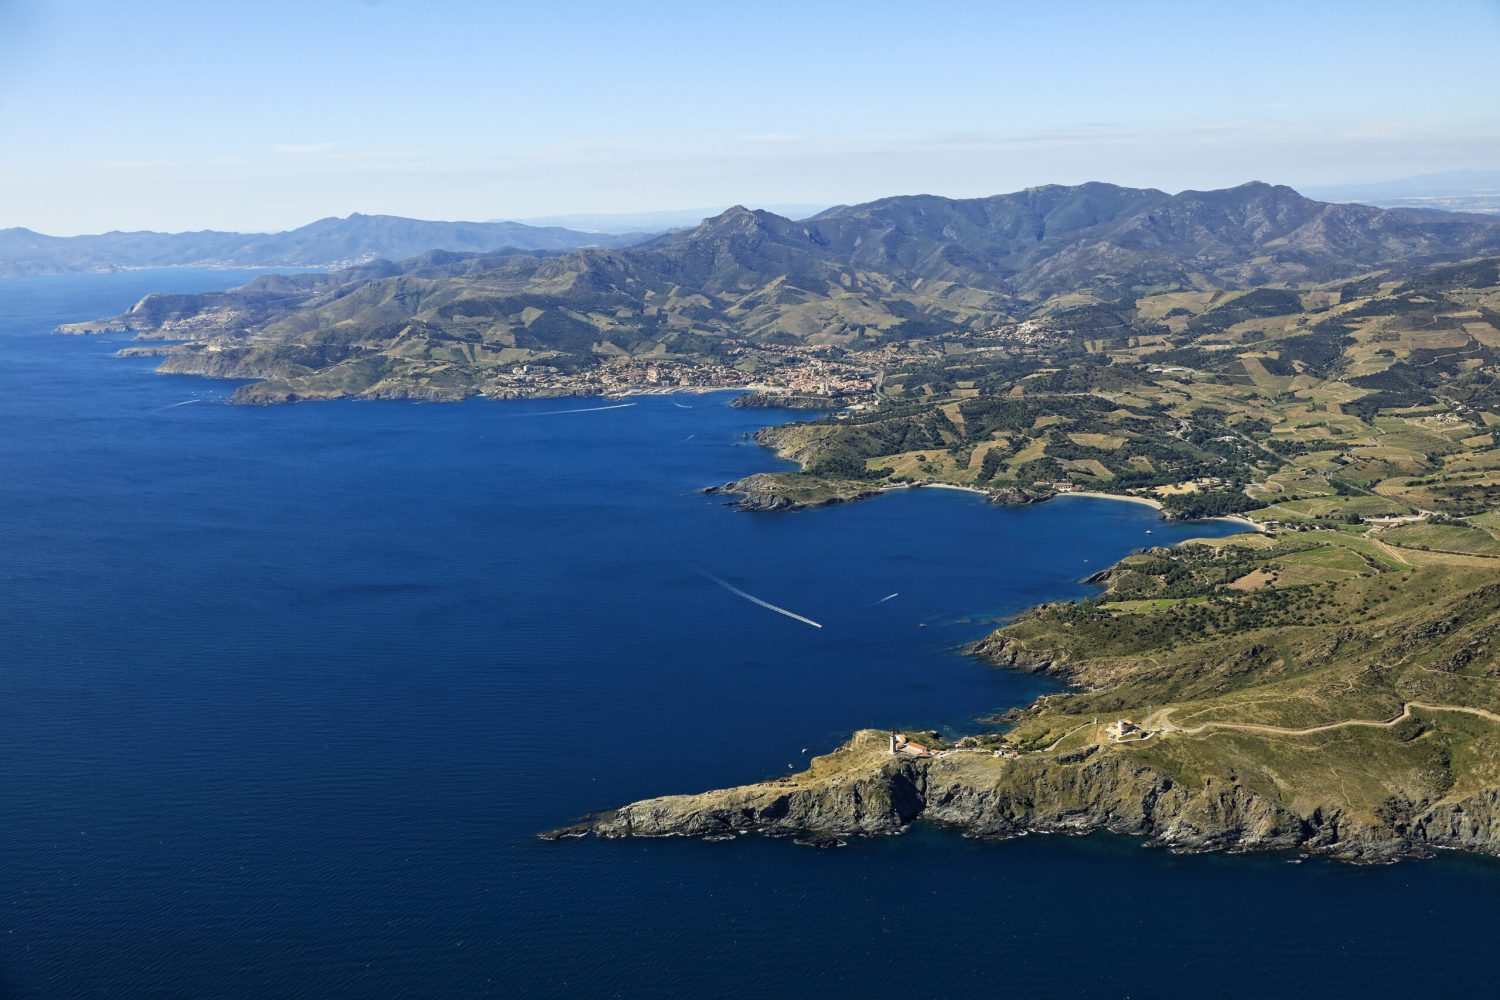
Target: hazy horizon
[661, 219]
[263, 118]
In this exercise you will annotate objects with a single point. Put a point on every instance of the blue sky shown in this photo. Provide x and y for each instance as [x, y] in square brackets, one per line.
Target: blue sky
[267, 115]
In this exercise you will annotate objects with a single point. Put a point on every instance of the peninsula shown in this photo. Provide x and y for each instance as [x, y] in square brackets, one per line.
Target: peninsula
[1330, 684]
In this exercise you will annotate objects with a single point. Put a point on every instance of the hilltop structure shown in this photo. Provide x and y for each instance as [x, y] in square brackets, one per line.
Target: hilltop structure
[901, 746]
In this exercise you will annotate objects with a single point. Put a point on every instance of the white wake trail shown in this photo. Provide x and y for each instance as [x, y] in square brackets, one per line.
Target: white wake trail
[681, 406]
[756, 600]
[171, 406]
[887, 597]
[583, 409]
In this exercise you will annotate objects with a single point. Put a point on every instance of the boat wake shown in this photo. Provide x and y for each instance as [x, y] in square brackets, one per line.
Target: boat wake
[888, 597]
[173, 406]
[756, 600]
[581, 409]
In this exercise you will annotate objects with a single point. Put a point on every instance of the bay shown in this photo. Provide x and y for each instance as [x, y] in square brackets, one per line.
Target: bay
[286, 693]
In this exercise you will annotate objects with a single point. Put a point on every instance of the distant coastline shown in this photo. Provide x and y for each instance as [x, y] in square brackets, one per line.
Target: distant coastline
[9, 275]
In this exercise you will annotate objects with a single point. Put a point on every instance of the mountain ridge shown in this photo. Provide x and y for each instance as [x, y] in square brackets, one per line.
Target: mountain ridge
[887, 272]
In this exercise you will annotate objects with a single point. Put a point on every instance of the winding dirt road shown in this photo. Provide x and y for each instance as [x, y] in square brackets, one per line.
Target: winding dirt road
[1161, 721]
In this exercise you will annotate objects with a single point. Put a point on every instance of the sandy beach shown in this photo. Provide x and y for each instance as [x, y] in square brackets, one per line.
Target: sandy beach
[1143, 501]
[1157, 504]
[1147, 501]
[952, 486]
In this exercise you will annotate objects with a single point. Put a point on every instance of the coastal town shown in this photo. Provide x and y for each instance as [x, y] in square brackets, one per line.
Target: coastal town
[798, 369]
[852, 376]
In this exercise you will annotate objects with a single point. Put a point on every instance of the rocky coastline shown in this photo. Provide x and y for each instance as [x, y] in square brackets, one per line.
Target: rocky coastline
[1179, 788]
[861, 789]
[765, 492]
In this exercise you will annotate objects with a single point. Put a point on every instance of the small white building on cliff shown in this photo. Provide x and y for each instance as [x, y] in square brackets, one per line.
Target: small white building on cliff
[901, 745]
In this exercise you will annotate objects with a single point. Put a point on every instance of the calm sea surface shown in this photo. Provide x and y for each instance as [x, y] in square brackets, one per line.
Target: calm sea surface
[286, 693]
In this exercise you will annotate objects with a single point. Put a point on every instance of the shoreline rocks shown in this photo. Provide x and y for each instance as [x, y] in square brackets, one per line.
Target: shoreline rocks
[862, 790]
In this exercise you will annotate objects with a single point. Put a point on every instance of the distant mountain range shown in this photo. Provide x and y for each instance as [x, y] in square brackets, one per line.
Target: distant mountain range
[853, 277]
[655, 222]
[1032, 242]
[1105, 239]
[328, 242]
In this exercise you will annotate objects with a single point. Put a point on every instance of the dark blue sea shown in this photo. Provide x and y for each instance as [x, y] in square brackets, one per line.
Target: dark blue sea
[286, 693]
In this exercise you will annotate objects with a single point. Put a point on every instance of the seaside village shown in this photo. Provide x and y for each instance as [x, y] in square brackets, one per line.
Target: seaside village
[796, 369]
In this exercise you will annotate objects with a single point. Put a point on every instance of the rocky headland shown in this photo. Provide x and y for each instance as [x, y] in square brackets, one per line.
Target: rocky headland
[861, 789]
[1354, 720]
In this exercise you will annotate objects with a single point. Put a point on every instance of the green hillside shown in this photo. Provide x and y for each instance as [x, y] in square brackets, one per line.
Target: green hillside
[742, 298]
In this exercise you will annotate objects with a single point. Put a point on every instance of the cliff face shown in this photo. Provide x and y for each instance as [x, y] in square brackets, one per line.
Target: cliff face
[860, 789]
[1003, 651]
